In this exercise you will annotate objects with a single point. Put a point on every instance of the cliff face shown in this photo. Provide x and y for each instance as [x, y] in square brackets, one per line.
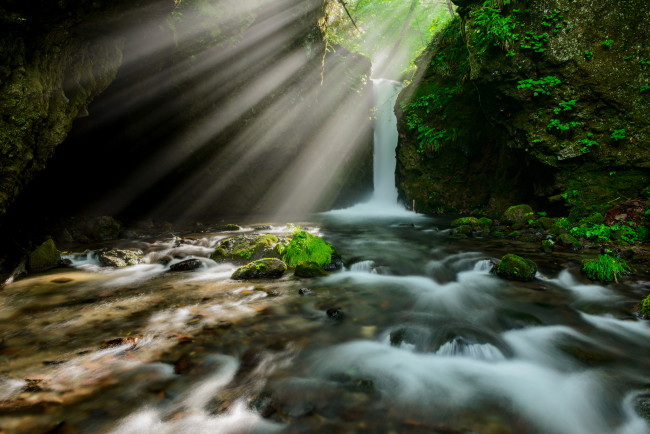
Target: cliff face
[543, 102]
[177, 95]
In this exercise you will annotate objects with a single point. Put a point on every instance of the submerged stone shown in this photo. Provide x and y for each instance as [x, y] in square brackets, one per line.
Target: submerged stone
[261, 269]
[513, 267]
[309, 269]
[44, 257]
[119, 258]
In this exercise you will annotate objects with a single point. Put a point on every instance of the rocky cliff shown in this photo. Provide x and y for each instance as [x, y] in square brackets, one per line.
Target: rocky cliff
[544, 102]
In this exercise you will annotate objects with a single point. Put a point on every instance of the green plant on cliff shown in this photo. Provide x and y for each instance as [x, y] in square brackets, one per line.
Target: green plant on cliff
[541, 86]
[607, 43]
[618, 135]
[587, 143]
[555, 124]
[495, 26]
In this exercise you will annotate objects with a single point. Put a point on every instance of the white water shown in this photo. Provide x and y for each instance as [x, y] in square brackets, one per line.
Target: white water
[383, 202]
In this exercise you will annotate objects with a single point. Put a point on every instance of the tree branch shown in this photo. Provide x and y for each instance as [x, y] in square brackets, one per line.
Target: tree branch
[350, 16]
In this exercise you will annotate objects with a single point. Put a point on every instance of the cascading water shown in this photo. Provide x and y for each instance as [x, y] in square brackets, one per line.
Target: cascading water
[383, 202]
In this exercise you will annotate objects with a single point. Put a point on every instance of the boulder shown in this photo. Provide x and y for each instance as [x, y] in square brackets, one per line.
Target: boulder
[309, 269]
[246, 248]
[261, 269]
[517, 215]
[567, 240]
[470, 221]
[513, 267]
[547, 246]
[44, 257]
[186, 265]
[119, 258]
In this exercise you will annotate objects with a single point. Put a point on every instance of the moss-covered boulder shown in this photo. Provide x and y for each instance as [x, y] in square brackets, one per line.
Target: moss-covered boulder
[517, 215]
[465, 221]
[548, 246]
[246, 248]
[513, 267]
[119, 258]
[462, 231]
[44, 257]
[547, 222]
[267, 268]
[309, 269]
[485, 222]
[311, 248]
[567, 240]
[645, 307]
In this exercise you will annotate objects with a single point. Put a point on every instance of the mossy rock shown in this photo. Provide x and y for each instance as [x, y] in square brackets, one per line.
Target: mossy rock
[309, 269]
[497, 234]
[517, 215]
[557, 230]
[645, 307]
[465, 221]
[548, 246]
[119, 258]
[485, 222]
[595, 219]
[514, 234]
[246, 248]
[228, 227]
[567, 240]
[44, 257]
[266, 268]
[546, 222]
[104, 228]
[529, 238]
[308, 247]
[513, 267]
[462, 231]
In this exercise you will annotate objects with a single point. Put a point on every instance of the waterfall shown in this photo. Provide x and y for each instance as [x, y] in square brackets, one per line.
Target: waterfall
[383, 202]
[385, 141]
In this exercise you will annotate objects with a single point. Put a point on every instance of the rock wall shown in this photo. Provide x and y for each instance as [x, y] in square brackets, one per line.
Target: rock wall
[142, 147]
[543, 102]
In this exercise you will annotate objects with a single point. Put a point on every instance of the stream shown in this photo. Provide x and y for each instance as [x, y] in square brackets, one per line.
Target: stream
[414, 335]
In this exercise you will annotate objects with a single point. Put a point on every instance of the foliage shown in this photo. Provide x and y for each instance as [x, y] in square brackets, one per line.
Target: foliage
[534, 42]
[559, 126]
[565, 106]
[429, 139]
[605, 268]
[587, 143]
[307, 247]
[542, 86]
[589, 54]
[607, 43]
[645, 307]
[618, 135]
[495, 26]
[630, 233]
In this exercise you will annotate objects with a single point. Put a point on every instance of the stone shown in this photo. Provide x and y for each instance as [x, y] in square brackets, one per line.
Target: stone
[513, 267]
[261, 269]
[548, 246]
[309, 269]
[246, 248]
[463, 221]
[567, 240]
[186, 265]
[517, 215]
[119, 258]
[44, 257]
[335, 313]
[462, 231]
[305, 291]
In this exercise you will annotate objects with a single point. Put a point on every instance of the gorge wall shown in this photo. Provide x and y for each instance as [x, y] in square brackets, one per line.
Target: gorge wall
[544, 102]
[162, 109]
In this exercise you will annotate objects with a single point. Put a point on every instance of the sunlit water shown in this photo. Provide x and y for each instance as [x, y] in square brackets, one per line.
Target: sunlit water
[424, 339]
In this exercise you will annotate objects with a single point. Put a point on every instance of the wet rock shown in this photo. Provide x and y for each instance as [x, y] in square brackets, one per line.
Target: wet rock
[547, 222]
[261, 269]
[514, 234]
[548, 246]
[517, 215]
[465, 221]
[309, 269]
[513, 267]
[335, 313]
[462, 231]
[187, 265]
[567, 240]
[44, 257]
[645, 308]
[305, 291]
[246, 248]
[262, 228]
[119, 258]
[335, 264]
[104, 228]
[228, 227]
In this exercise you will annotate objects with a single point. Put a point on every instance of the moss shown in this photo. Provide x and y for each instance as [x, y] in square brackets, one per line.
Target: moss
[517, 215]
[546, 222]
[307, 247]
[471, 221]
[513, 267]
[462, 231]
[645, 307]
[514, 234]
[486, 222]
[568, 240]
[548, 246]
[44, 257]
[497, 234]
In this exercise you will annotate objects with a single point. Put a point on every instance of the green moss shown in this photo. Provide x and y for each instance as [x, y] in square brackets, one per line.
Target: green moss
[307, 247]
[260, 269]
[246, 248]
[645, 307]
[605, 268]
[517, 214]
[513, 267]
[486, 222]
[470, 221]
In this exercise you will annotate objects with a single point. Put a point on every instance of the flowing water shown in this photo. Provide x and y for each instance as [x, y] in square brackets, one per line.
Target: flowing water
[414, 335]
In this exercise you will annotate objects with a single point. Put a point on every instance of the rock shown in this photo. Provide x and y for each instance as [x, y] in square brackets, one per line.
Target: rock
[645, 308]
[462, 231]
[119, 258]
[261, 269]
[548, 246]
[335, 264]
[465, 221]
[497, 234]
[104, 228]
[44, 257]
[514, 234]
[485, 222]
[513, 267]
[309, 269]
[547, 222]
[517, 215]
[335, 313]
[246, 248]
[116, 342]
[305, 291]
[567, 240]
[228, 227]
[187, 265]
[128, 235]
